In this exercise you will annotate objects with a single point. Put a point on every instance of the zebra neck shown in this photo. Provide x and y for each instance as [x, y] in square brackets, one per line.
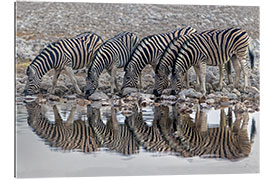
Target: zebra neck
[41, 67]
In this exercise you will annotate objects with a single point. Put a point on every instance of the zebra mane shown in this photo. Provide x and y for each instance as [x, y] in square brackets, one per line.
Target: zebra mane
[187, 39]
[144, 39]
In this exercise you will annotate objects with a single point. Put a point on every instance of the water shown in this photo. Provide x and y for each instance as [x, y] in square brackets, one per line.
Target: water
[54, 140]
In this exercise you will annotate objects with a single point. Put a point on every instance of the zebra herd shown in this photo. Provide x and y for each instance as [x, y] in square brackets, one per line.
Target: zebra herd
[168, 53]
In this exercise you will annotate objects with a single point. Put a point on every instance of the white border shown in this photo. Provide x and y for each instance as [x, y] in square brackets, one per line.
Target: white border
[7, 86]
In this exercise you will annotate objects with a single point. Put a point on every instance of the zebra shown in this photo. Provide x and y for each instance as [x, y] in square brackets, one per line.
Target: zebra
[66, 54]
[149, 136]
[112, 135]
[66, 135]
[197, 50]
[115, 51]
[228, 142]
[149, 51]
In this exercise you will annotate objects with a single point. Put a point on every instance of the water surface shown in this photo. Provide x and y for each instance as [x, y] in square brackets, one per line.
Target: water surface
[64, 139]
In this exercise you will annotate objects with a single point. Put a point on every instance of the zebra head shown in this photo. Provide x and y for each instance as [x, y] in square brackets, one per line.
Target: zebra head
[177, 81]
[130, 77]
[33, 81]
[161, 80]
[91, 83]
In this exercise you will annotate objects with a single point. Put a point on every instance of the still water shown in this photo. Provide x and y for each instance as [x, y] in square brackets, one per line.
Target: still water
[54, 140]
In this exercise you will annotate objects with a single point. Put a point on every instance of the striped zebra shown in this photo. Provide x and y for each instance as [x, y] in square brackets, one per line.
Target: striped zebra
[115, 51]
[224, 141]
[66, 135]
[149, 136]
[112, 135]
[66, 54]
[197, 50]
[149, 51]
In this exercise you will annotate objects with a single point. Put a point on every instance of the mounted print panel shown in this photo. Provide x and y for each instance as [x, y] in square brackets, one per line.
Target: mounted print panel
[136, 89]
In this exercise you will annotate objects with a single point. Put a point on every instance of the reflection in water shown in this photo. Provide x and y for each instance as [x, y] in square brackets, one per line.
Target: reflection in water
[175, 133]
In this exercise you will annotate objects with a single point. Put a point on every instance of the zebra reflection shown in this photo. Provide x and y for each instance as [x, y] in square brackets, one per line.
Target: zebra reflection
[65, 135]
[112, 135]
[228, 141]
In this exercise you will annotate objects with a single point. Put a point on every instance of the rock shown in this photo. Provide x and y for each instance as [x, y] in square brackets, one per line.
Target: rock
[203, 105]
[105, 103]
[232, 96]
[210, 96]
[83, 102]
[235, 91]
[192, 93]
[210, 101]
[224, 101]
[128, 90]
[98, 96]
[70, 97]
[53, 98]
[253, 90]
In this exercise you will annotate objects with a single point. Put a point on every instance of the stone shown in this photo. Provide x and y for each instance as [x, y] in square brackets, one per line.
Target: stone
[83, 102]
[203, 105]
[98, 96]
[235, 91]
[192, 93]
[70, 97]
[210, 101]
[53, 98]
[232, 96]
[128, 90]
[210, 96]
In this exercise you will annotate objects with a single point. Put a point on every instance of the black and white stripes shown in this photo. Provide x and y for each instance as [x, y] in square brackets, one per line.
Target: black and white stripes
[199, 49]
[115, 51]
[149, 51]
[68, 54]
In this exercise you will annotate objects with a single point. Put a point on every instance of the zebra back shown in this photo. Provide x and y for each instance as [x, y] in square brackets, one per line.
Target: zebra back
[150, 48]
[115, 50]
[215, 49]
[149, 51]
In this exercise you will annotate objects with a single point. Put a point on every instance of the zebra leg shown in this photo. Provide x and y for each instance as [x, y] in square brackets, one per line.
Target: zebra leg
[237, 70]
[70, 118]
[245, 72]
[187, 79]
[221, 77]
[112, 72]
[55, 77]
[175, 83]
[197, 71]
[202, 74]
[229, 70]
[71, 75]
[57, 116]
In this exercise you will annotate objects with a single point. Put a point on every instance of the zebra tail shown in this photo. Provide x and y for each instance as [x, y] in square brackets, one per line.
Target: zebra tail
[229, 67]
[251, 57]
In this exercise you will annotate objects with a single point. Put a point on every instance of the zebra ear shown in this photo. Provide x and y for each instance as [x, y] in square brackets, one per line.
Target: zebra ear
[30, 71]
